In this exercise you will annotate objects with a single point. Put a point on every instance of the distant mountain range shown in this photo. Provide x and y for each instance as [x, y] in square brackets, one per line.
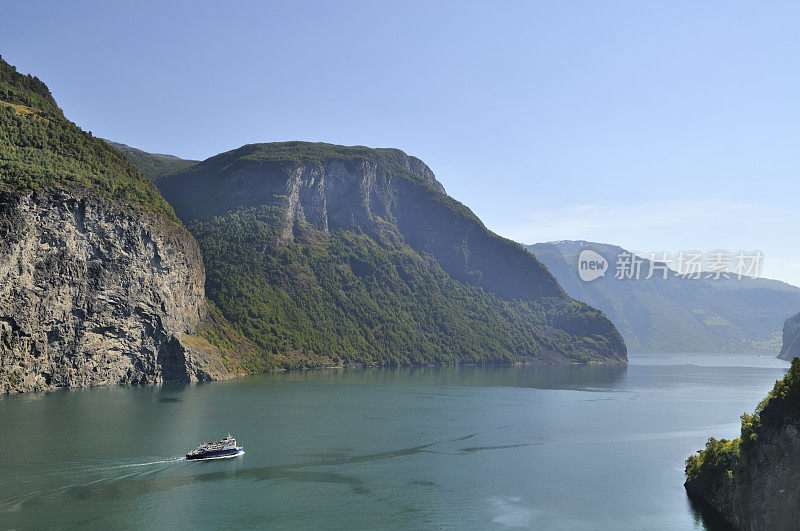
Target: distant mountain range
[676, 314]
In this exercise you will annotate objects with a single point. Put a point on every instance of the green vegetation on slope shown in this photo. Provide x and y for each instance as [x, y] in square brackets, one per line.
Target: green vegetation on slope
[25, 90]
[291, 155]
[40, 148]
[153, 166]
[217, 338]
[360, 291]
[348, 296]
[754, 481]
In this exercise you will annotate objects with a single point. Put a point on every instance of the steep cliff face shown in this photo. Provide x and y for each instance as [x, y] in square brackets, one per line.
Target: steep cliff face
[791, 338]
[93, 296]
[99, 282]
[325, 253]
[754, 481]
[379, 192]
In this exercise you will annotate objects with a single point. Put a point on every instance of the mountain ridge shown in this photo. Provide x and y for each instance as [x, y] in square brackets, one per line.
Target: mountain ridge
[152, 165]
[348, 229]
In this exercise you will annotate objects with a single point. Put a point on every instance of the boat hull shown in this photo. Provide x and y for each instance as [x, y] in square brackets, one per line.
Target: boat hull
[215, 454]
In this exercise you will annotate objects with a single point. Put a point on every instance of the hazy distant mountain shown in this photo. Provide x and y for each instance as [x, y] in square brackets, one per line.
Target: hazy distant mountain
[676, 314]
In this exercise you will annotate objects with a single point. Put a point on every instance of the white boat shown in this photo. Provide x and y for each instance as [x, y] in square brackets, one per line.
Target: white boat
[222, 449]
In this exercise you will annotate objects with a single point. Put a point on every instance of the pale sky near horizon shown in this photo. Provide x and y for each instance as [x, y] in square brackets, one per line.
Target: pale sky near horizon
[656, 126]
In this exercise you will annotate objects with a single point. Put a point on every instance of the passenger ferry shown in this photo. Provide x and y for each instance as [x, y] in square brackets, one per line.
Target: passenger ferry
[221, 449]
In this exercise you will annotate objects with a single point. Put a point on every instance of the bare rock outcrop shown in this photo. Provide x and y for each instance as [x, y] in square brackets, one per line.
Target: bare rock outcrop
[93, 295]
[791, 338]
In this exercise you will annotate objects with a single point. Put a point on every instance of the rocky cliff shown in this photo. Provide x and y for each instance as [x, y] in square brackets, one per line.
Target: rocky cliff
[753, 482]
[791, 338]
[327, 254]
[99, 282]
[329, 188]
[93, 296]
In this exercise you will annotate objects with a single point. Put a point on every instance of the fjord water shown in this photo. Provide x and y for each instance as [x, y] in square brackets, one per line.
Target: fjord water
[472, 447]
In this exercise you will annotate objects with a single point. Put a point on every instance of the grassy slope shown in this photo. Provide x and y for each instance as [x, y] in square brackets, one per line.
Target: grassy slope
[360, 295]
[153, 166]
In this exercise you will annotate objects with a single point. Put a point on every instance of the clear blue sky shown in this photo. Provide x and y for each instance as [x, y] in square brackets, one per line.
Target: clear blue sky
[658, 126]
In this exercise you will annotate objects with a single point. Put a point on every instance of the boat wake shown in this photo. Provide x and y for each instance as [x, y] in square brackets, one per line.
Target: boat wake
[177, 459]
[88, 472]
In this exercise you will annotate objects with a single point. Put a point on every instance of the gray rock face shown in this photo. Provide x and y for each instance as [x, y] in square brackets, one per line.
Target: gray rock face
[763, 493]
[339, 195]
[323, 196]
[90, 295]
[379, 218]
[791, 338]
[753, 482]
[365, 194]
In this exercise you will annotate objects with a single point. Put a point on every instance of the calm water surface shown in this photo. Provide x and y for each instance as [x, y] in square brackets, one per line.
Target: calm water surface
[488, 448]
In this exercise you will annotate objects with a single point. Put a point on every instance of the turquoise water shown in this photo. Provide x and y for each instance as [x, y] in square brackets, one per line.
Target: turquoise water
[488, 448]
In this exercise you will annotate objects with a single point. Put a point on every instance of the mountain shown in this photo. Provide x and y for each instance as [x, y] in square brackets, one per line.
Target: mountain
[99, 281]
[753, 482]
[676, 314]
[791, 338]
[324, 254]
[152, 165]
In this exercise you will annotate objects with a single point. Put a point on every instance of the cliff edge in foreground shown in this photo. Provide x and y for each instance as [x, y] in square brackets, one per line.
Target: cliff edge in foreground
[791, 338]
[99, 282]
[754, 481]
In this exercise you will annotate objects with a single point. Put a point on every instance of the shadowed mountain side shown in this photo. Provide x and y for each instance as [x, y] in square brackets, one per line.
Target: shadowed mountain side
[328, 254]
[791, 338]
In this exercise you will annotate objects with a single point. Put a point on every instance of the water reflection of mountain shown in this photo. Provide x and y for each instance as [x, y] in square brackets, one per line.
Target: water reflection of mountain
[575, 377]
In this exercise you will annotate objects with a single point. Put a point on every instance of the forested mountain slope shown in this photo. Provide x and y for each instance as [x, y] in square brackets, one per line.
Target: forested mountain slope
[324, 254]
